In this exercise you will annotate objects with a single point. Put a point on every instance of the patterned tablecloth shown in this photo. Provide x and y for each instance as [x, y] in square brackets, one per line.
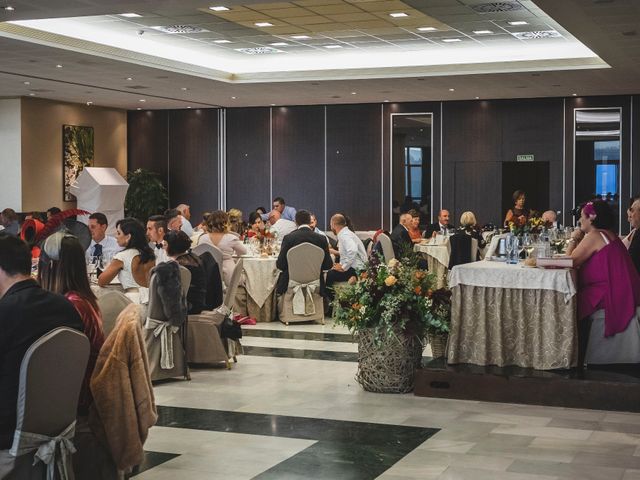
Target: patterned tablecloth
[256, 294]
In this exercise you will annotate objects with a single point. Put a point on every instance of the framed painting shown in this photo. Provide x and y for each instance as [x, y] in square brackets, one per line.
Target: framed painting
[77, 153]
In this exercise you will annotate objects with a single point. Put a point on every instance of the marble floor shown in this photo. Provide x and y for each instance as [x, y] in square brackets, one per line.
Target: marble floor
[291, 409]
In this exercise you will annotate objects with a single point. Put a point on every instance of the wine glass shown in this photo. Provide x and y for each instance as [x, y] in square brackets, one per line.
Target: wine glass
[509, 245]
[528, 244]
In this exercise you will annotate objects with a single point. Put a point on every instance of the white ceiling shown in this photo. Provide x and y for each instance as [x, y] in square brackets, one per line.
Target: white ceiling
[99, 74]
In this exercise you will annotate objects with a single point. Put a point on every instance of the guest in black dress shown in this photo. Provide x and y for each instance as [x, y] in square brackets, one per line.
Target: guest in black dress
[519, 214]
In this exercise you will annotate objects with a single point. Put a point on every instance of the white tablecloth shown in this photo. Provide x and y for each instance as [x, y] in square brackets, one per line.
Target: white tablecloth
[260, 277]
[440, 252]
[502, 275]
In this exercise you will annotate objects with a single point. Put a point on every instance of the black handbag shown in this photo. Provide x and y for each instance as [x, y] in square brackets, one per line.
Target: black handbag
[230, 329]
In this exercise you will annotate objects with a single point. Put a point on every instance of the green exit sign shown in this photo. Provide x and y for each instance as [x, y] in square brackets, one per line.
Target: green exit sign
[524, 158]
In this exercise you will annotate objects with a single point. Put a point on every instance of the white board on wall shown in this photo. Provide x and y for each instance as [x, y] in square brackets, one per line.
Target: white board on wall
[10, 155]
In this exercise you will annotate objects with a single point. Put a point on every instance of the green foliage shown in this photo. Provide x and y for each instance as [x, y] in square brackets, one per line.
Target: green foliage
[146, 195]
[398, 295]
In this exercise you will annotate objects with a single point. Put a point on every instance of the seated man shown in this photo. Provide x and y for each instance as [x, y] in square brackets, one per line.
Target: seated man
[304, 234]
[185, 213]
[352, 254]
[280, 226]
[441, 226]
[156, 229]
[286, 212]
[400, 236]
[9, 220]
[27, 312]
[102, 245]
[551, 218]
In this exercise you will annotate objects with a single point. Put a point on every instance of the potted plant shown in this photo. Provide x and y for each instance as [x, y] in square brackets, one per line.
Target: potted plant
[146, 195]
[439, 321]
[387, 307]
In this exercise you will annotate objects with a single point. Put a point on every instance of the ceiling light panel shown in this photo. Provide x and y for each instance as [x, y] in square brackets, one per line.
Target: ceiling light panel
[180, 29]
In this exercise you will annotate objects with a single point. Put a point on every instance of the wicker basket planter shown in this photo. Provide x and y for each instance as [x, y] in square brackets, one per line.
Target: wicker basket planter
[438, 342]
[389, 367]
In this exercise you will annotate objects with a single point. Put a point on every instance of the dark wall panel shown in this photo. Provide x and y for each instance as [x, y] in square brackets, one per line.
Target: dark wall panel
[298, 157]
[248, 158]
[193, 160]
[635, 154]
[354, 164]
[147, 137]
[471, 195]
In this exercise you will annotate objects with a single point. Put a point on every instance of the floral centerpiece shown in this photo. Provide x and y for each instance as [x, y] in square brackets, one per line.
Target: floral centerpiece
[532, 225]
[391, 308]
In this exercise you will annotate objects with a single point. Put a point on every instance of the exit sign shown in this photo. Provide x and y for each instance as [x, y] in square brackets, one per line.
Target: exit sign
[524, 158]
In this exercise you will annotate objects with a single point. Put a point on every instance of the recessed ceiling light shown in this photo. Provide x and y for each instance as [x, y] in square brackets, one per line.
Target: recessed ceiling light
[518, 22]
[427, 29]
[279, 44]
[89, 104]
[58, 66]
[482, 32]
[184, 89]
[477, 98]
[301, 37]
[142, 100]
[386, 101]
[354, 93]
[129, 15]
[398, 14]
[138, 108]
[574, 94]
[222, 41]
[451, 40]
[129, 78]
[27, 83]
[263, 24]
[333, 46]
[9, 8]
[233, 98]
[219, 8]
[188, 107]
[32, 94]
[273, 104]
[452, 89]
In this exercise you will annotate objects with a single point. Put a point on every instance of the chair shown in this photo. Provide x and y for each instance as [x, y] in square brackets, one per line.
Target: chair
[387, 247]
[302, 301]
[111, 304]
[215, 252]
[165, 343]
[204, 343]
[332, 238]
[621, 348]
[464, 249]
[214, 288]
[47, 404]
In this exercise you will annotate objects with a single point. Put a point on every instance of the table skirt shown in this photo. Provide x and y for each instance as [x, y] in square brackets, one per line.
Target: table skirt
[245, 305]
[502, 326]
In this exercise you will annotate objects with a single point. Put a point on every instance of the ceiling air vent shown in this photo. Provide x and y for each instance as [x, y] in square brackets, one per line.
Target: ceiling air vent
[495, 7]
[536, 35]
[137, 87]
[183, 29]
[259, 50]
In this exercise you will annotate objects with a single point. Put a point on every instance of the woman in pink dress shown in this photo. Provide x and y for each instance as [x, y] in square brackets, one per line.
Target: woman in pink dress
[608, 287]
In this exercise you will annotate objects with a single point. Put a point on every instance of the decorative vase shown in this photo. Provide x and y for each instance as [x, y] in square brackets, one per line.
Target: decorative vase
[389, 366]
[438, 342]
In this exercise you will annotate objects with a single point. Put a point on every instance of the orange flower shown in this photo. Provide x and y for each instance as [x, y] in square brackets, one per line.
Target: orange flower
[390, 281]
[418, 290]
[364, 275]
[352, 280]
[420, 275]
[355, 306]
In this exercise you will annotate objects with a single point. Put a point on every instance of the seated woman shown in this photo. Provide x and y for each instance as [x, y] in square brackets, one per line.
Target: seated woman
[65, 273]
[217, 227]
[177, 245]
[469, 225]
[607, 283]
[132, 265]
[256, 225]
[414, 228]
[519, 214]
[632, 241]
[236, 224]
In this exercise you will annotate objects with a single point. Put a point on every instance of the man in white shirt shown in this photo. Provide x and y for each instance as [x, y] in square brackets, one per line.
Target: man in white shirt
[156, 228]
[279, 225]
[353, 255]
[314, 225]
[185, 212]
[101, 244]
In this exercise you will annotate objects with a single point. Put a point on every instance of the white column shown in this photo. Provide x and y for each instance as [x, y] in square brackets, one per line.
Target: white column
[10, 155]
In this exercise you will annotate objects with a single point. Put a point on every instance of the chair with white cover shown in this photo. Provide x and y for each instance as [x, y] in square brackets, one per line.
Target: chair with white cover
[621, 348]
[302, 301]
[387, 247]
[204, 342]
[46, 410]
[215, 252]
[111, 304]
[165, 342]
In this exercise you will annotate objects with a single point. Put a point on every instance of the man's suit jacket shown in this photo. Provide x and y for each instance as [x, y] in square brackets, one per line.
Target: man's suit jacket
[302, 235]
[401, 240]
[434, 227]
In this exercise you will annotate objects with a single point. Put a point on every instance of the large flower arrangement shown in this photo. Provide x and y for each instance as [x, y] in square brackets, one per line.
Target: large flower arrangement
[533, 224]
[394, 297]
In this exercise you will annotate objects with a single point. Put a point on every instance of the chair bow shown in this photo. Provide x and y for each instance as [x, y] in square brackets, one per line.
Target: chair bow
[303, 303]
[164, 330]
[52, 451]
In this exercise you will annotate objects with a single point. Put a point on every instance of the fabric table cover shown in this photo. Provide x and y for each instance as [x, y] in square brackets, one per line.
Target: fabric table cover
[260, 277]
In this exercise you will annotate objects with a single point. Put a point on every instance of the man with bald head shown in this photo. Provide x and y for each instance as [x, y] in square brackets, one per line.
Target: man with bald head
[441, 226]
[280, 226]
[550, 218]
[400, 237]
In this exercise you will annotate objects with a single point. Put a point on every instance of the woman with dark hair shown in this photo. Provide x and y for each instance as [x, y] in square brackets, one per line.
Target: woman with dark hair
[63, 270]
[256, 225]
[178, 247]
[217, 228]
[132, 265]
[608, 283]
[632, 240]
[519, 214]
[414, 227]
[261, 210]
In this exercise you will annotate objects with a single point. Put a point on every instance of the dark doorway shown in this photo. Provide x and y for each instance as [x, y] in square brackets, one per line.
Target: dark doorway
[532, 177]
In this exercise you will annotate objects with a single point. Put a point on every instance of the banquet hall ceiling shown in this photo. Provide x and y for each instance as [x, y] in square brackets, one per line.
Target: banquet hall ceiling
[565, 48]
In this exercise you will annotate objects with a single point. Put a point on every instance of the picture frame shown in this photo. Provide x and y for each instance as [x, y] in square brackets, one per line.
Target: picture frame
[77, 153]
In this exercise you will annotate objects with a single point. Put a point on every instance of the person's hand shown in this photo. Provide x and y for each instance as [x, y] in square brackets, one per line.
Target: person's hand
[577, 235]
[333, 251]
[338, 267]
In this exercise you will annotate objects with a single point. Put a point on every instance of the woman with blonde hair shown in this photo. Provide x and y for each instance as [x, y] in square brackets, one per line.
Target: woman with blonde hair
[216, 225]
[469, 225]
[236, 224]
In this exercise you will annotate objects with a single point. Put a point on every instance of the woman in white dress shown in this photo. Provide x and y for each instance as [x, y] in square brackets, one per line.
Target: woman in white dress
[217, 234]
[133, 264]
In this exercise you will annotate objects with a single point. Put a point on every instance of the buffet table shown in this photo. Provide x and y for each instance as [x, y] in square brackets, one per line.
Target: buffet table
[513, 315]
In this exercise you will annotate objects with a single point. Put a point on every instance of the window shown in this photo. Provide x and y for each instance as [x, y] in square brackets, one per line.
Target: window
[413, 173]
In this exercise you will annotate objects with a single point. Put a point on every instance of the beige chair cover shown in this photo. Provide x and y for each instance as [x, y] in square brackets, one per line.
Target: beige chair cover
[46, 410]
[387, 247]
[204, 344]
[302, 301]
[474, 249]
[165, 349]
[111, 304]
[623, 347]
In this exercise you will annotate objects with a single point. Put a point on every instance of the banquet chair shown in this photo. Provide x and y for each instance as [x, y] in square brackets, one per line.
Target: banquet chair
[213, 282]
[166, 343]
[205, 343]
[215, 252]
[464, 249]
[302, 301]
[621, 348]
[111, 304]
[46, 409]
[387, 247]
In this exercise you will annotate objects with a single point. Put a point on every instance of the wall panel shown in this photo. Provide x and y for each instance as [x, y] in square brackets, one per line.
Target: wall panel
[147, 141]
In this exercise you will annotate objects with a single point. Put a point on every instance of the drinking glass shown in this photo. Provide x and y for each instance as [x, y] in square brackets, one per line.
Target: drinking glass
[528, 244]
[509, 245]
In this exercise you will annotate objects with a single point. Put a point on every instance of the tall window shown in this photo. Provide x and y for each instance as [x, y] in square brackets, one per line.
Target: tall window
[413, 173]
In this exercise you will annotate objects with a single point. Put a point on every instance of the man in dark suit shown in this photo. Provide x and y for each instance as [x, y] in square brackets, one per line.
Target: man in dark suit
[27, 312]
[304, 234]
[400, 236]
[440, 226]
